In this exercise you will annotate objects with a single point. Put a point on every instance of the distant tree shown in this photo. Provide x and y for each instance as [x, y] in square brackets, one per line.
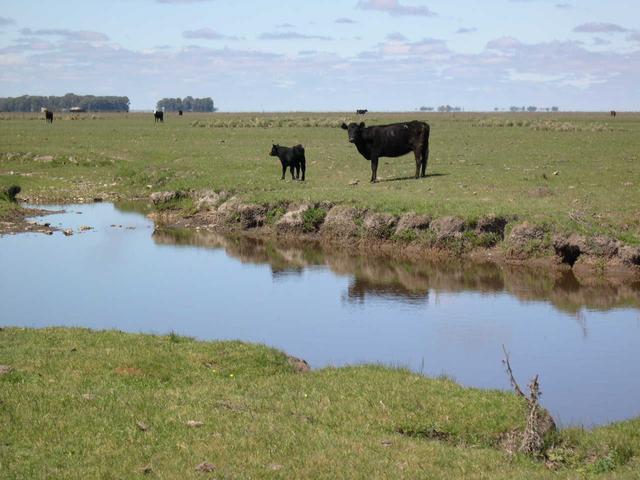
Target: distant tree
[496, 109]
[426, 109]
[532, 109]
[555, 109]
[31, 103]
[188, 104]
[514, 109]
[449, 108]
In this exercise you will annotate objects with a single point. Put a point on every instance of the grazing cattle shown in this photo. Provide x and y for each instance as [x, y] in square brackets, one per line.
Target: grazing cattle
[613, 113]
[158, 116]
[179, 113]
[362, 112]
[292, 157]
[48, 116]
[391, 141]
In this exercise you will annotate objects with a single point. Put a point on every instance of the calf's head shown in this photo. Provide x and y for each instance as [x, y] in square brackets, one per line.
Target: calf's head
[354, 129]
[274, 150]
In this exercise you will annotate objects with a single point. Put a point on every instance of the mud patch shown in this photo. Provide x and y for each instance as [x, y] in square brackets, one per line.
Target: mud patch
[448, 227]
[492, 224]
[341, 222]
[300, 365]
[379, 225]
[412, 221]
[427, 433]
[293, 220]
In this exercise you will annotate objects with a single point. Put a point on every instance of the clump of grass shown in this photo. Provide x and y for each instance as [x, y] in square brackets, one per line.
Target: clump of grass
[409, 235]
[313, 218]
[274, 214]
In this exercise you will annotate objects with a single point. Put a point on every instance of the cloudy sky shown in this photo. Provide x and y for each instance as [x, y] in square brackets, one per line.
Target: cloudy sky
[252, 55]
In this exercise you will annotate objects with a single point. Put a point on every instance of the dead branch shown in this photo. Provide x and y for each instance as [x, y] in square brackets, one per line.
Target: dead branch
[512, 379]
[539, 422]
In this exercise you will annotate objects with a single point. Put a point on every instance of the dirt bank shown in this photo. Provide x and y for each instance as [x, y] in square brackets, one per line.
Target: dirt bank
[410, 236]
[15, 221]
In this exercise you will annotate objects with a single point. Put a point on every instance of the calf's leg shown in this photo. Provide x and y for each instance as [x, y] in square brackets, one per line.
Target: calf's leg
[284, 169]
[303, 165]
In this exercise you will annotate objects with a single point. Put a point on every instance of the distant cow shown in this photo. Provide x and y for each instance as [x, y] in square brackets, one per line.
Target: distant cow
[362, 112]
[613, 113]
[179, 113]
[292, 157]
[48, 116]
[158, 116]
[391, 141]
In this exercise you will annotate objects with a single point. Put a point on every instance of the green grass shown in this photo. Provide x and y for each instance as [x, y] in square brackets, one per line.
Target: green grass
[480, 163]
[71, 406]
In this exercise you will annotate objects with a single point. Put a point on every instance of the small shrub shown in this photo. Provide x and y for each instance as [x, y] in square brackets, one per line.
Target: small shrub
[312, 219]
[274, 214]
[408, 236]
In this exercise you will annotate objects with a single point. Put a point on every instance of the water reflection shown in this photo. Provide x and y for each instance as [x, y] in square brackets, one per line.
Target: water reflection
[333, 307]
[387, 278]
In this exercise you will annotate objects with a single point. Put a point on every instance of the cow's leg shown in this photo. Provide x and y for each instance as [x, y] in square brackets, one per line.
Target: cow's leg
[284, 169]
[374, 169]
[303, 165]
[292, 170]
[418, 154]
[425, 157]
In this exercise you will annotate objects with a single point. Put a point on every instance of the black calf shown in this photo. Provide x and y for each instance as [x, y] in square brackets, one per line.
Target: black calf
[292, 157]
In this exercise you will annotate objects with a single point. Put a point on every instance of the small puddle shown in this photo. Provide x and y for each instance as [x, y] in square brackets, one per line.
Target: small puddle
[332, 308]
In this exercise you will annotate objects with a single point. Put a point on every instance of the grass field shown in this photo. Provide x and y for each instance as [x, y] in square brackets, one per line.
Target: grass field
[81, 404]
[576, 172]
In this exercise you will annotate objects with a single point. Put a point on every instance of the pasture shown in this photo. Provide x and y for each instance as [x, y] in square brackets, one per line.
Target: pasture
[82, 404]
[574, 171]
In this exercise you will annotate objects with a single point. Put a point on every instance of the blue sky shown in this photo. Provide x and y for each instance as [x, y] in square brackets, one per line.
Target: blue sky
[252, 55]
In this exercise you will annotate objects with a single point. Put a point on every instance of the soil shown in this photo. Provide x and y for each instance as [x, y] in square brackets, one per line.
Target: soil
[366, 232]
[16, 221]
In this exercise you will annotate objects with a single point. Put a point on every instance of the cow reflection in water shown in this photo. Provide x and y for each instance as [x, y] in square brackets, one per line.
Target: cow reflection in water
[382, 277]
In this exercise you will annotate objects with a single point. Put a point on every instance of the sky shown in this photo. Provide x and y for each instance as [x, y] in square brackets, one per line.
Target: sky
[328, 55]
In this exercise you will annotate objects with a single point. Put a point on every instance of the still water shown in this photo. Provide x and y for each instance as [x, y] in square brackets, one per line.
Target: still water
[332, 308]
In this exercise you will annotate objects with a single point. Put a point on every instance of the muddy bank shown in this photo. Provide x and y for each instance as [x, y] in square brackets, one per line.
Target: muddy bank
[15, 220]
[411, 236]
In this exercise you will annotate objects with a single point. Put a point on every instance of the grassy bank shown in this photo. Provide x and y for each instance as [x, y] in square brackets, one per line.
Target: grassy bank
[81, 404]
[574, 172]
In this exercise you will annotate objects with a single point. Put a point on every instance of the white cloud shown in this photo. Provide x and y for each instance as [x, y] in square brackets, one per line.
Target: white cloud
[207, 34]
[291, 36]
[394, 7]
[600, 27]
[79, 35]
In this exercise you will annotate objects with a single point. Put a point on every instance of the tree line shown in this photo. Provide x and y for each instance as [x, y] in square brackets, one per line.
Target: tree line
[187, 104]
[90, 103]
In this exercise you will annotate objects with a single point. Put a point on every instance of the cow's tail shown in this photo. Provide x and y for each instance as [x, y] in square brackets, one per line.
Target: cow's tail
[299, 149]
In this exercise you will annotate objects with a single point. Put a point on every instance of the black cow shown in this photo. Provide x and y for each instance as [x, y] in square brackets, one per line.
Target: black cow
[613, 113]
[48, 116]
[391, 141]
[158, 116]
[179, 113]
[362, 112]
[292, 157]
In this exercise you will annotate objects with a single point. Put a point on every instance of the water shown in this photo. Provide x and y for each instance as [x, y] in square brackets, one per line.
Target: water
[332, 308]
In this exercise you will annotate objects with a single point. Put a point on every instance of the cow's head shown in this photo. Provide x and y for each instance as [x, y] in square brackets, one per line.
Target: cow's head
[274, 150]
[354, 129]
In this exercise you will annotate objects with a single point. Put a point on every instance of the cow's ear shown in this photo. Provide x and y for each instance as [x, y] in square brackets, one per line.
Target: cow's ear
[344, 126]
[361, 124]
